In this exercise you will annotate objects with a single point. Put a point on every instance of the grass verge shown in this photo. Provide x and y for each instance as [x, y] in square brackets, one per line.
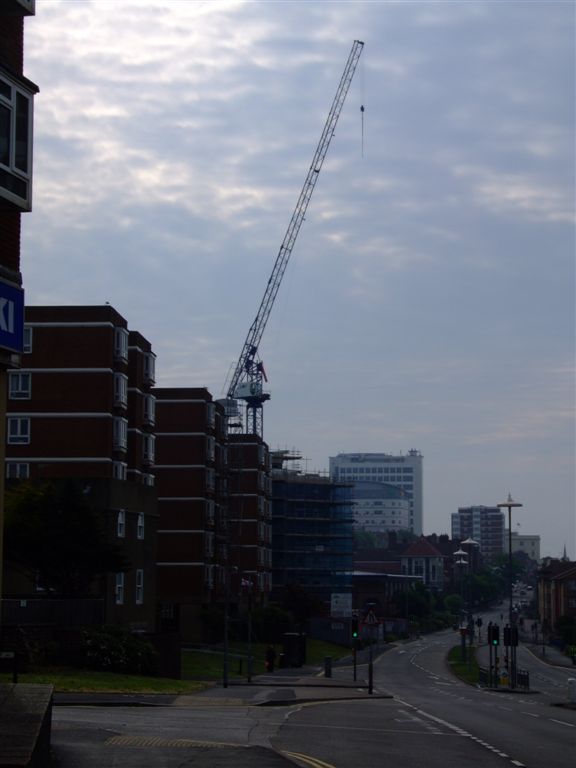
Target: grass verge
[199, 669]
[467, 670]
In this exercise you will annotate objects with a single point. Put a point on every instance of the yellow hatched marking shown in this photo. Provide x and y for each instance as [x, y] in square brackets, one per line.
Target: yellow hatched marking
[313, 761]
[158, 741]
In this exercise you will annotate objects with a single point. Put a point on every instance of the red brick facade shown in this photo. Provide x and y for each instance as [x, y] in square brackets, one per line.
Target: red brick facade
[76, 410]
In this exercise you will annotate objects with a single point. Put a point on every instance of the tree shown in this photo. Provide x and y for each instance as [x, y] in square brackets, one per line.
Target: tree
[56, 539]
[302, 605]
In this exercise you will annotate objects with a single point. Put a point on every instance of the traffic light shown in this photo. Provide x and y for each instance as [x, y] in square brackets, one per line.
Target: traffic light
[494, 635]
[354, 627]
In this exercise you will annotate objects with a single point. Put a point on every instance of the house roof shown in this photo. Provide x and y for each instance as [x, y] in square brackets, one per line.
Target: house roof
[421, 548]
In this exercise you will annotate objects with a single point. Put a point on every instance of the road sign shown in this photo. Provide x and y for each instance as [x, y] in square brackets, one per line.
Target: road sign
[341, 605]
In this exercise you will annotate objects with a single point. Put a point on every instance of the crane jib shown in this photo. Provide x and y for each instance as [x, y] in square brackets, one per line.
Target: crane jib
[246, 382]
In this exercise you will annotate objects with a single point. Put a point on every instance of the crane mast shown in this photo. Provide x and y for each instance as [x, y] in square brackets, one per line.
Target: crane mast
[246, 382]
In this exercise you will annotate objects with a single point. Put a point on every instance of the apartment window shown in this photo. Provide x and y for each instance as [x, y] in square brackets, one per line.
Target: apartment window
[148, 446]
[139, 586]
[149, 410]
[210, 448]
[209, 544]
[210, 506]
[121, 524]
[121, 343]
[210, 414]
[120, 390]
[18, 430]
[20, 386]
[119, 592]
[149, 367]
[148, 479]
[15, 142]
[140, 526]
[120, 436]
[17, 471]
[27, 341]
[210, 477]
[119, 470]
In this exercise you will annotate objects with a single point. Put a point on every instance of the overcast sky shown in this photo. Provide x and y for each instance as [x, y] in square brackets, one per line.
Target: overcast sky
[429, 301]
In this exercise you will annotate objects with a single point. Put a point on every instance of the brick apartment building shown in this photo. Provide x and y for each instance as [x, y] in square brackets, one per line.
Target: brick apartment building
[191, 485]
[16, 117]
[213, 504]
[81, 408]
[250, 513]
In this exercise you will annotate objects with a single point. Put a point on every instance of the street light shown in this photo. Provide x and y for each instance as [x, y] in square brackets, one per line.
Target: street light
[471, 543]
[509, 504]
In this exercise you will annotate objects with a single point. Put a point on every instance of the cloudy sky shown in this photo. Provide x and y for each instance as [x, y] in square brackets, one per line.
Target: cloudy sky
[429, 301]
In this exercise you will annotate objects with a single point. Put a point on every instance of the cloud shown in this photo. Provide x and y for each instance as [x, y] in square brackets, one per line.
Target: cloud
[505, 193]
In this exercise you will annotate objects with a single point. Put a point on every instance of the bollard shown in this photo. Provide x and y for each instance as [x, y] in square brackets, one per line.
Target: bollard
[328, 666]
[572, 690]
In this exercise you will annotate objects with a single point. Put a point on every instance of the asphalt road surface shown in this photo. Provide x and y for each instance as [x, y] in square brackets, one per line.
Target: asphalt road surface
[433, 721]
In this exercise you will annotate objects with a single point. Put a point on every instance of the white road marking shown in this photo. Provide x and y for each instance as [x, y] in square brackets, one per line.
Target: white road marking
[561, 722]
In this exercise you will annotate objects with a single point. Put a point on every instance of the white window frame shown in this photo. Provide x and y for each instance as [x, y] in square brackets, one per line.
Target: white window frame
[19, 385]
[210, 414]
[121, 338]
[119, 589]
[120, 390]
[140, 526]
[121, 524]
[139, 586]
[16, 470]
[120, 436]
[149, 448]
[149, 406]
[119, 470]
[12, 92]
[18, 430]
[149, 367]
[27, 340]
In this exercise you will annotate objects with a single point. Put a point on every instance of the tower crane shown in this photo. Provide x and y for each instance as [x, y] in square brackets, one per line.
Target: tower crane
[246, 382]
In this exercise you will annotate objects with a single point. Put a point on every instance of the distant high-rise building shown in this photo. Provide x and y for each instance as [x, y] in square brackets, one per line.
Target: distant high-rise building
[527, 543]
[380, 507]
[483, 524]
[403, 471]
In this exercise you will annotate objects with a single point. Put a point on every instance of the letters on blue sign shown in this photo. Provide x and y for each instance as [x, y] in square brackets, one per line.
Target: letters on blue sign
[7, 315]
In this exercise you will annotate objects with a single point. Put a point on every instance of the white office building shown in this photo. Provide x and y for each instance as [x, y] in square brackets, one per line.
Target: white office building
[380, 507]
[403, 471]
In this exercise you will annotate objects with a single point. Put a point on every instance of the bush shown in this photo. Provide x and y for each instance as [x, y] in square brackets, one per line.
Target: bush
[112, 649]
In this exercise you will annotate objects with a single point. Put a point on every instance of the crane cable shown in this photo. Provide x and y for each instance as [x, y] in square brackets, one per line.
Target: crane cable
[362, 70]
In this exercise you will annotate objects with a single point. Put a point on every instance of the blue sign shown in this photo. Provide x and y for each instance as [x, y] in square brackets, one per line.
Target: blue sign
[11, 317]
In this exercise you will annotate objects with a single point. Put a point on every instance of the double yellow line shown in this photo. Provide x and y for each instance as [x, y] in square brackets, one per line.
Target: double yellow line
[313, 761]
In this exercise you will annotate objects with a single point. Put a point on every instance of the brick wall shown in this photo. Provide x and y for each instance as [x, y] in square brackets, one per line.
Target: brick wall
[10, 240]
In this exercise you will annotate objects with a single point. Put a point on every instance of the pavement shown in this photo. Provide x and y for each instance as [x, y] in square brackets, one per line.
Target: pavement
[285, 687]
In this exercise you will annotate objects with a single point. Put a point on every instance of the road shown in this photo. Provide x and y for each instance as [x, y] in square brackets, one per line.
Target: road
[435, 720]
[432, 721]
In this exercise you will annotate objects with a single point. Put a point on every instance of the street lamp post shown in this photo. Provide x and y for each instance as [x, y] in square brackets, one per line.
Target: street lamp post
[471, 544]
[509, 504]
[461, 564]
